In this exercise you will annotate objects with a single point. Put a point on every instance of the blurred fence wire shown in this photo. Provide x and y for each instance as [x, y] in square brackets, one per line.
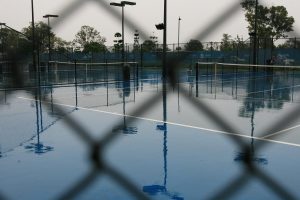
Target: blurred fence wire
[99, 166]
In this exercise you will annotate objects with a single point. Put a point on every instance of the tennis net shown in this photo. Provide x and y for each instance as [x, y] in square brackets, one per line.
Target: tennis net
[245, 80]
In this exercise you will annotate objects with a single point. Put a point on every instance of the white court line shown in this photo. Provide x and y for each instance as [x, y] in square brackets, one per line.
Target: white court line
[282, 131]
[171, 123]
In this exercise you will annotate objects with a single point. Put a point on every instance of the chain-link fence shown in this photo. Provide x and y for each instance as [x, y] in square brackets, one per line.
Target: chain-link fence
[19, 78]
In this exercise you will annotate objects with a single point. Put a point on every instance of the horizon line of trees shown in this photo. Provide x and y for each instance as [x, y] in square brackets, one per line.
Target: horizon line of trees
[272, 23]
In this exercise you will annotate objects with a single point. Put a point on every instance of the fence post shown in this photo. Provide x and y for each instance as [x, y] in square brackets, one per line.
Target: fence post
[293, 84]
[197, 79]
[106, 74]
[137, 71]
[142, 62]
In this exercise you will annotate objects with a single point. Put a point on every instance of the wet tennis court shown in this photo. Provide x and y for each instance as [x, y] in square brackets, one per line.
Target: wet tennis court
[171, 151]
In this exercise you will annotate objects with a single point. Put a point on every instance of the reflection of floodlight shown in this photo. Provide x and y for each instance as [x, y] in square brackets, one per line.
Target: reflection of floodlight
[162, 127]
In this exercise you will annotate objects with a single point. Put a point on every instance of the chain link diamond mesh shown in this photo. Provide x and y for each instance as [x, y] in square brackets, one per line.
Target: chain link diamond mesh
[99, 166]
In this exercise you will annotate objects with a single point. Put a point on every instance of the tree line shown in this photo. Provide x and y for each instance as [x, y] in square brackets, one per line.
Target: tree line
[272, 23]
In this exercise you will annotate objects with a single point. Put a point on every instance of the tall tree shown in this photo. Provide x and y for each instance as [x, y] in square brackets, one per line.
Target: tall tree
[87, 36]
[280, 22]
[194, 45]
[226, 43]
[41, 39]
[41, 35]
[149, 46]
[60, 45]
[9, 39]
[272, 22]
[94, 47]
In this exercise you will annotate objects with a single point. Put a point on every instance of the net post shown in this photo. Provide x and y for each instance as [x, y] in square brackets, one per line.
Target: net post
[222, 78]
[55, 66]
[236, 78]
[136, 71]
[86, 70]
[142, 62]
[75, 71]
[75, 68]
[215, 81]
[134, 81]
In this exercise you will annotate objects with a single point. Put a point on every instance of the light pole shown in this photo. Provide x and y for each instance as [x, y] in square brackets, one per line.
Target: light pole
[255, 35]
[2, 48]
[165, 44]
[2, 44]
[48, 16]
[163, 26]
[33, 38]
[179, 19]
[122, 4]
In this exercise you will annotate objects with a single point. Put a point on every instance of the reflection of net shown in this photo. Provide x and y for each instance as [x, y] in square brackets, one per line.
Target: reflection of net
[243, 80]
[71, 72]
[91, 95]
[110, 94]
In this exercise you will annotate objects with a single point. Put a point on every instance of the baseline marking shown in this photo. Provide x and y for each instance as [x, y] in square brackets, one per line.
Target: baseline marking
[171, 123]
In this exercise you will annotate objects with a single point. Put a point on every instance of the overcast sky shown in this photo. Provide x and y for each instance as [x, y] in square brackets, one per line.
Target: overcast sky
[196, 16]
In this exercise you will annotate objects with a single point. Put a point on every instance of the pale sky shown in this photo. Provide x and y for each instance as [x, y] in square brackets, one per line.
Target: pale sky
[196, 16]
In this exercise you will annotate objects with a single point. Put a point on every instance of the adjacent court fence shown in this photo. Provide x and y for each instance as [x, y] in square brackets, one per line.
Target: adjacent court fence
[98, 164]
[286, 51]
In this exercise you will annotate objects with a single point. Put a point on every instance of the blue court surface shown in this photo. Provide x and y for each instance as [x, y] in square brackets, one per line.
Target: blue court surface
[173, 150]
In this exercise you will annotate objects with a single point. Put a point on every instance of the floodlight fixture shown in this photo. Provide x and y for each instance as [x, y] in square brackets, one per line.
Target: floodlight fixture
[130, 3]
[48, 15]
[122, 4]
[160, 26]
[116, 4]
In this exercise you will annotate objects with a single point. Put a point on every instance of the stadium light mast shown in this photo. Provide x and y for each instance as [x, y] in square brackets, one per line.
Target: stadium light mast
[163, 26]
[165, 44]
[48, 16]
[122, 5]
[33, 37]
